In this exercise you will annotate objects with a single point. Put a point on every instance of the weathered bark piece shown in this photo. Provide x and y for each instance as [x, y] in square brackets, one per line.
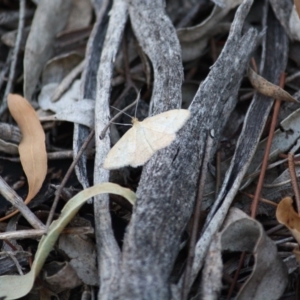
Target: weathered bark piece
[108, 251]
[194, 39]
[283, 10]
[157, 37]
[89, 84]
[52, 16]
[275, 58]
[8, 265]
[169, 181]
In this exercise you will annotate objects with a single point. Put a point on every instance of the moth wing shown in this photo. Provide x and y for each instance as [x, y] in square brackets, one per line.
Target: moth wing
[144, 150]
[157, 140]
[140, 142]
[123, 152]
[168, 122]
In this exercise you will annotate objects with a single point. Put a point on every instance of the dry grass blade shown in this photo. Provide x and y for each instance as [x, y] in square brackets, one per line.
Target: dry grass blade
[32, 148]
[24, 283]
[267, 88]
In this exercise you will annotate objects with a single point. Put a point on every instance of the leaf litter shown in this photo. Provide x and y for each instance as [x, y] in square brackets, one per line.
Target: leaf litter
[84, 57]
[32, 148]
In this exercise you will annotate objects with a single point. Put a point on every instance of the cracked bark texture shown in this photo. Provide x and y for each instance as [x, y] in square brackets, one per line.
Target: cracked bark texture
[168, 184]
[273, 63]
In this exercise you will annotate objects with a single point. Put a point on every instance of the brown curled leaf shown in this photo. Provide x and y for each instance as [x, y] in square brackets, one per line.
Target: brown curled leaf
[32, 148]
[287, 216]
[267, 88]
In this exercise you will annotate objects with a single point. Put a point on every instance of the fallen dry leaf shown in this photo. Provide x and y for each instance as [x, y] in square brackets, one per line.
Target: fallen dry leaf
[242, 233]
[80, 16]
[51, 16]
[32, 148]
[82, 257]
[61, 276]
[267, 88]
[269, 275]
[67, 108]
[287, 216]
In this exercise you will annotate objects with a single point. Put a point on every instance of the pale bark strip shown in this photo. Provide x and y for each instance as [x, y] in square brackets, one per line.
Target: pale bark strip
[157, 36]
[109, 256]
[169, 181]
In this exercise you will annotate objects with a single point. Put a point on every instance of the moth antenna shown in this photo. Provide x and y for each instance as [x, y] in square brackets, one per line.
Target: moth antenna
[137, 102]
[102, 135]
[123, 112]
[125, 124]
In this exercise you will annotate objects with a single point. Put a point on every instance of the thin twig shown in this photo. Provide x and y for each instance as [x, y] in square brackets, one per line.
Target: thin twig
[236, 275]
[218, 172]
[10, 195]
[16, 50]
[294, 181]
[12, 256]
[64, 181]
[284, 240]
[11, 245]
[292, 77]
[274, 229]
[246, 96]
[267, 152]
[36, 233]
[270, 166]
[193, 239]
[213, 51]
[254, 65]
[261, 199]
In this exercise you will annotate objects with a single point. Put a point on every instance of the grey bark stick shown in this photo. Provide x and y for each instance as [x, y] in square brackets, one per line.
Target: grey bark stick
[109, 256]
[168, 184]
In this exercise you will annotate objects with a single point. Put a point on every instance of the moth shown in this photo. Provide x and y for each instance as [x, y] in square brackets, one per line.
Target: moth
[146, 137]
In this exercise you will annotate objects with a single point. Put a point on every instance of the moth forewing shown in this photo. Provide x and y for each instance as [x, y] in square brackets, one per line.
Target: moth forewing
[144, 138]
[158, 140]
[169, 122]
[120, 155]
